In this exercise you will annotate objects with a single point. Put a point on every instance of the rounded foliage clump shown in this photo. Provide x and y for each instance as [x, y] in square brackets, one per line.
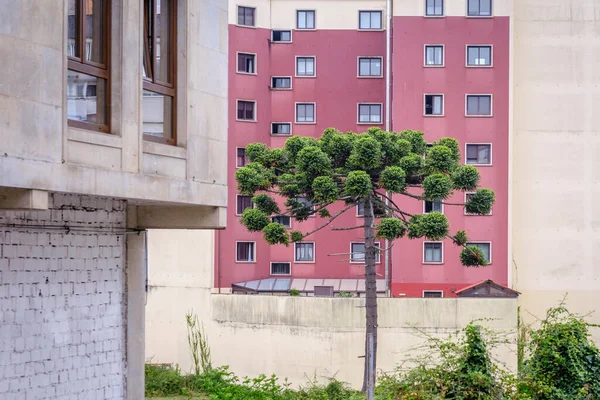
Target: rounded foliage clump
[300, 211]
[254, 220]
[437, 186]
[296, 236]
[325, 189]
[265, 203]
[460, 238]
[251, 178]
[256, 152]
[411, 164]
[416, 139]
[473, 256]
[452, 144]
[480, 202]
[466, 177]
[358, 184]
[295, 144]
[433, 226]
[366, 153]
[390, 228]
[393, 179]
[440, 159]
[275, 233]
[313, 162]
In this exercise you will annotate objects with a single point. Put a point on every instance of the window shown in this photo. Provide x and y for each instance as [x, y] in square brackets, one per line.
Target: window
[434, 8]
[369, 20]
[305, 113]
[485, 247]
[305, 202]
[479, 154]
[433, 294]
[432, 252]
[369, 113]
[479, 56]
[241, 159]
[305, 66]
[433, 206]
[467, 199]
[280, 268]
[246, 16]
[479, 105]
[304, 252]
[434, 56]
[87, 64]
[369, 66]
[245, 110]
[245, 252]
[158, 100]
[305, 19]
[281, 128]
[434, 104]
[246, 63]
[282, 36]
[284, 220]
[357, 252]
[281, 82]
[479, 8]
[243, 202]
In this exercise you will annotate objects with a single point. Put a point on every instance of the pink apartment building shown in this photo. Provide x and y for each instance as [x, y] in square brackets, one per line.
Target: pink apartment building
[297, 68]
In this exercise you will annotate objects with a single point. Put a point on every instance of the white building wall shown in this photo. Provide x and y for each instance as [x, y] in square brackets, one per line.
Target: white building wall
[62, 300]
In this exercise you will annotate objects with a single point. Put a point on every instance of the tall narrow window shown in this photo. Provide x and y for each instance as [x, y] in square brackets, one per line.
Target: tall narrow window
[246, 63]
[158, 102]
[434, 104]
[88, 71]
[305, 19]
[241, 160]
[434, 8]
[243, 202]
[434, 56]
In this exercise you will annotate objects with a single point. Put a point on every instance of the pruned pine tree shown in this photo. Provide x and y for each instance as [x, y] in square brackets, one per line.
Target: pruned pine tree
[365, 168]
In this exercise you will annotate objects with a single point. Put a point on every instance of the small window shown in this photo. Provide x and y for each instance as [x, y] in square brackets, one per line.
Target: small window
[478, 56]
[305, 113]
[369, 20]
[284, 220]
[304, 252]
[479, 8]
[281, 82]
[305, 66]
[369, 66]
[433, 206]
[245, 110]
[433, 294]
[467, 199]
[434, 56]
[486, 248]
[241, 159]
[246, 63]
[369, 113]
[357, 253]
[243, 202]
[305, 19]
[479, 154]
[282, 36]
[432, 253]
[434, 104]
[280, 268]
[305, 202]
[281, 128]
[245, 252]
[434, 8]
[246, 16]
[479, 105]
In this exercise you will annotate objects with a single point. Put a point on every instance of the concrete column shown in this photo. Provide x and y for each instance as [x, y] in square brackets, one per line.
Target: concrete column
[136, 300]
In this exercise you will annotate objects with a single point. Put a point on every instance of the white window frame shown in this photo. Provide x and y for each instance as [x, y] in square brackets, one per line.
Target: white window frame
[314, 253]
[441, 203]
[474, 215]
[314, 113]
[490, 115]
[286, 226]
[237, 13]
[369, 123]
[377, 255]
[282, 41]
[255, 110]
[282, 77]
[482, 242]
[432, 291]
[253, 255]
[434, 16]
[491, 46]
[279, 262]
[371, 29]
[479, 144]
[314, 20]
[443, 105]
[443, 64]
[237, 64]
[433, 262]
[479, 16]
[358, 75]
[312, 207]
[236, 157]
[296, 67]
[237, 196]
[281, 134]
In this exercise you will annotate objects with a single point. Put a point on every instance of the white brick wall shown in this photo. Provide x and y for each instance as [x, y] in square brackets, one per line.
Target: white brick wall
[62, 301]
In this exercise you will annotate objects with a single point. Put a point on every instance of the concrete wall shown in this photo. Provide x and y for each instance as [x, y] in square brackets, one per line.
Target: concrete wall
[292, 337]
[556, 155]
[63, 300]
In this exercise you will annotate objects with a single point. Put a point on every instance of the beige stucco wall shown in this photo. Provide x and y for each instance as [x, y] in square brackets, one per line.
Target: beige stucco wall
[556, 155]
[292, 337]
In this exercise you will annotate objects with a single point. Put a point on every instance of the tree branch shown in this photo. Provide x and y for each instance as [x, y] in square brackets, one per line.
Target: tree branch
[347, 229]
[330, 221]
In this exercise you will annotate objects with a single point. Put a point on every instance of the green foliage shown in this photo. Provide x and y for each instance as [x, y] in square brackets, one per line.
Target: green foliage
[460, 238]
[440, 159]
[295, 144]
[393, 179]
[324, 213]
[433, 226]
[466, 177]
[344, 294]
[358, 184]
[366, 154]
[436, 187]
[481, 202]
[254, 219]
[288, 185]
[294, 292]
[411, 164]
[325, 189]
[276, 233]
[416, 139]
[197, 340]
[253, 177]
[296, 236]
[390, 228]
[472, 256]
[256, 152]
[313, 162]
[338, 147]
[452, 144]
[266, 204]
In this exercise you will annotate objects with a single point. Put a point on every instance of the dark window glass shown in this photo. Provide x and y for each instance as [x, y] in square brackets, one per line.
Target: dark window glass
[281, 268]
[280, 128]
[282, 36]
[479, 154]
[305, 113]
[246, 16]
[243, 202]
[434, 104]
[433, 206]
[245, 251]
[246, 63]
[479, 105]
[283, 220]
[432, 294]
[278, 82]
[245, 110]
[241, 157]
[434, 8]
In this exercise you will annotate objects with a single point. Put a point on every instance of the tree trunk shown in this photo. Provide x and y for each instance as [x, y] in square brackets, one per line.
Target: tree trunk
[371, 289]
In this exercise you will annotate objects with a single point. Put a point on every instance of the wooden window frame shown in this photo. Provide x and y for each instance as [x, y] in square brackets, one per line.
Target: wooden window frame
[80, 64]
[154, 85]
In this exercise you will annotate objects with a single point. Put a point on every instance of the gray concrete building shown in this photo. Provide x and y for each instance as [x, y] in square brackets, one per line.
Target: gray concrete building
[113, 120]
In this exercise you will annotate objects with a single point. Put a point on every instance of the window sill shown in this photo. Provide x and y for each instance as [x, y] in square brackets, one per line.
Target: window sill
[433, 115]
[281, 134]
[434, 66]
[478, 116]
[370, 30]
[304, 262]
[305, 29]
[369, 123]
[433, 263]
[280, 89]
[280, 274]
[305, 123]
[480, 66]
[246, 73]
[434, 16]
[479, 16]
[246, 120]
[93, 137]
[370, 76]
[162, 149]
[480, 165]
[245, 262]
[282, 41]
[246, 26]
[305, 76]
